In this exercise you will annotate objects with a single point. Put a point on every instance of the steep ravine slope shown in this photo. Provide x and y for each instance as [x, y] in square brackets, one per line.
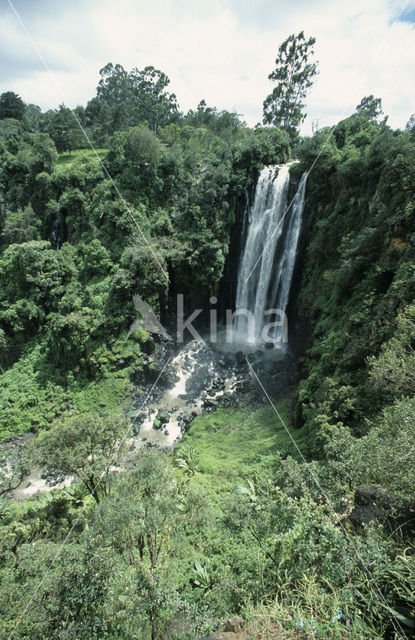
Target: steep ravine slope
[358, 273]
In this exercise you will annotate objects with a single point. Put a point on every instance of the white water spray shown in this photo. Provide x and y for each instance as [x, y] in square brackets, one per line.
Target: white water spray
[267, 262]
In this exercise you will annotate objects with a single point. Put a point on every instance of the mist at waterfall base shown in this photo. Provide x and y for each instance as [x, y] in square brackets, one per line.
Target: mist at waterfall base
[266, 265]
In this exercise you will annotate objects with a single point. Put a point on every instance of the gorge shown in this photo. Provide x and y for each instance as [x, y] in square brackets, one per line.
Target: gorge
[203, 375]
[227, 497]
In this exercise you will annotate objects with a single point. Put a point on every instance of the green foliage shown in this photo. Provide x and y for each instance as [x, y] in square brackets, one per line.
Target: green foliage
[231, 444]
[386, 452]
[21, 226]
[358, 275]
[129, 98]
[62, 126]
[238, 520]
[70, 600]
[305, 610]
[31, 280]
[399, 581]
[393, 369]
[11, 106]
[186, 459]
[370, 107]
[137, 148]
[145, 529]
[85, 446]
[14, 465]
[31, 397]
[293, 73]
[26, 401]
[11, 134]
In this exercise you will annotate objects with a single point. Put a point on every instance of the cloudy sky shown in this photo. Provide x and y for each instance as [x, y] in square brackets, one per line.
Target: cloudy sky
[219, 50]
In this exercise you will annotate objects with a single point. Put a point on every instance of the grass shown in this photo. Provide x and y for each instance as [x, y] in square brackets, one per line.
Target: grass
[67, 157]
[233, 444]
[30, 397]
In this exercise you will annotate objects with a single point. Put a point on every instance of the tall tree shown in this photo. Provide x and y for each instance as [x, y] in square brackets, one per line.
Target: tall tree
[294, 74]
[410, 125]
[370, 108]
[114, 86]
[64, 129]
[156, 106]
[136, 97]
[11, 106]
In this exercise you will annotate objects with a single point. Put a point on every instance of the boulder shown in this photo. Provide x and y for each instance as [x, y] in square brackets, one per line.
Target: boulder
[179, 626]
[210, 402]
[234, 624]
[233, 630]
[138, 414]
[229, 359]
[163, 416]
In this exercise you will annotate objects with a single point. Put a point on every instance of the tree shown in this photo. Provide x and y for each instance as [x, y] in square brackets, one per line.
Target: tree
[145, 522]
[11, 134]
[135, 97]
[32, 118]
[154, 104]
[13, 468]
[11, 106]
[86, 447]
[72, 598]
[64, 129]
[393, 369]
[20, 226]
[294, 74]
[114, 86]
[31, 282]
[410, 125]
[141, 146]
[370, 108]
[98, 117]
[38, 154]
[133, 157]
[385, 455]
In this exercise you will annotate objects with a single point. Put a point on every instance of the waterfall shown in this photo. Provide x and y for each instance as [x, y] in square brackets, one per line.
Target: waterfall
[267, 262]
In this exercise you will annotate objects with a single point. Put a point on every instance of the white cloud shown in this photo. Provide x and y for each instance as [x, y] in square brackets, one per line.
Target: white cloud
[222, 51]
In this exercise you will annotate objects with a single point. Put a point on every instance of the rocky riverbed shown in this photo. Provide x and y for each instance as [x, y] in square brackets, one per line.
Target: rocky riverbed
[198, 378]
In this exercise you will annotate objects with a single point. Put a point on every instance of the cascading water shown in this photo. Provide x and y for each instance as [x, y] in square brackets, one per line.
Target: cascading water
[268, 258]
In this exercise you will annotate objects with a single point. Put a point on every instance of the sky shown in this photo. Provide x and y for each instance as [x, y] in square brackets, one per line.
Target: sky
[218, 50]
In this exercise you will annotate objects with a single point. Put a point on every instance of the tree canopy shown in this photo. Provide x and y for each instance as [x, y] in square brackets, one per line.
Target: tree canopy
[293, 73]
[11, 106]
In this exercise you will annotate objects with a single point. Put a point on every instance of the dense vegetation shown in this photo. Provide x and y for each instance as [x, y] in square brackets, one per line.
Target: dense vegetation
[237, 518]
[157, 210]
